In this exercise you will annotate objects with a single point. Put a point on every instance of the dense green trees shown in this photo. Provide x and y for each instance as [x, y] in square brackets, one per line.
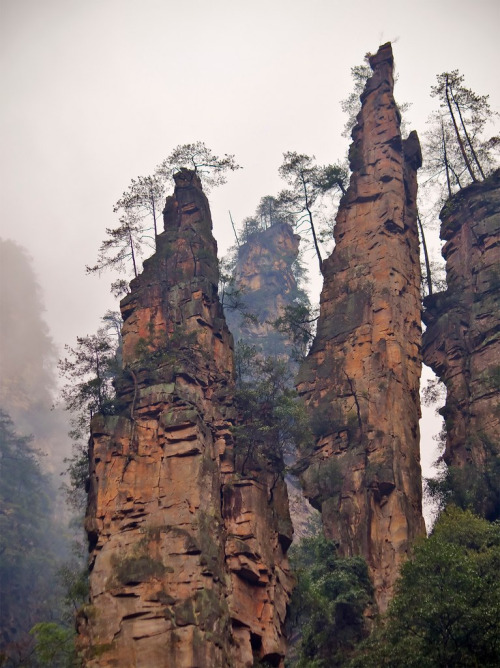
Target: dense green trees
[270, 420]
[31, 544]
[446, 611]
[326, 618]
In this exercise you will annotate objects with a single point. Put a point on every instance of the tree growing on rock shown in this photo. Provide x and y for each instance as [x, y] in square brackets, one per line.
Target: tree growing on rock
[123, 246]
[144, 199]
[141, 203]
[309, 183]
[196, 156]
[458, 149]
[89, 370]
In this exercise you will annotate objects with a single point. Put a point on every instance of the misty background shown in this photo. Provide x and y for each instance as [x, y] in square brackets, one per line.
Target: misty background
[98, 92]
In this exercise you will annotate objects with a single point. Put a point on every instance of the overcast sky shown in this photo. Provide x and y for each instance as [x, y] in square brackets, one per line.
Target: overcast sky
[95, 92]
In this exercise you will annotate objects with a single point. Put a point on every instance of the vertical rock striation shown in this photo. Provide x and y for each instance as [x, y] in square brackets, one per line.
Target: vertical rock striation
[188, 567]
[462, 339]
[361, 378]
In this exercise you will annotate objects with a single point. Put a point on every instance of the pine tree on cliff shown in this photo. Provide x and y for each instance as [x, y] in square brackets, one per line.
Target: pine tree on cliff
[456, 142]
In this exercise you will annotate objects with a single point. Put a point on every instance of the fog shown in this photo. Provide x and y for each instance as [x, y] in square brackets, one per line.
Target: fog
[95, 93]
[28, 387]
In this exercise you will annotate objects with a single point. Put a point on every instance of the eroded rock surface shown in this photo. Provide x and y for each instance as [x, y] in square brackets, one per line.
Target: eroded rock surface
[361, 378]
[188, 565]
[462, 339]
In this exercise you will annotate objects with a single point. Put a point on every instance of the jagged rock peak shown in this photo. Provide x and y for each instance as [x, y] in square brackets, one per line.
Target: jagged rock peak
[187, 558]
[361, 378]
[462, 339]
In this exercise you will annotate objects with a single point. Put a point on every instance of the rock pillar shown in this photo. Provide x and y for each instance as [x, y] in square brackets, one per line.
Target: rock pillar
[462, 339]
[361, 378]
[187, 567]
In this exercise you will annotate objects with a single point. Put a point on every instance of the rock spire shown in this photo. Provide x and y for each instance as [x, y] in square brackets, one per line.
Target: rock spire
[361, 378]
[462, 339]
[187, 557]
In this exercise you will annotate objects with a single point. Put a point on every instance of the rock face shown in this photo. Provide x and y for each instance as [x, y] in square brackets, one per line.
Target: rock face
[462, 339]
[187, 557]
[361, 378]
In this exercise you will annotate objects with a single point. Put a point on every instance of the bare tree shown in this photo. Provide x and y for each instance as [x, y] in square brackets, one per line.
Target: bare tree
[196, 156]
[308, 184]
[466, 153]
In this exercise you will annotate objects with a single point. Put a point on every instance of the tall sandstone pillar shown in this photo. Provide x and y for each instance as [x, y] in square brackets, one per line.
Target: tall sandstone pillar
[462, 339]
[264, 275]
[188, 565]
[361, 378]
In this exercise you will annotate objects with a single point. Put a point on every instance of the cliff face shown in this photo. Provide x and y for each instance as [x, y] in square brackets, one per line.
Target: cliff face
[361, 378]
[187, 558]
[462, 339]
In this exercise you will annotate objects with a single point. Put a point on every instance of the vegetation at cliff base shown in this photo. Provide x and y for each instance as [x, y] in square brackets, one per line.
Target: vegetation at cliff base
[326, 618]
[446, 611]
[31, 544]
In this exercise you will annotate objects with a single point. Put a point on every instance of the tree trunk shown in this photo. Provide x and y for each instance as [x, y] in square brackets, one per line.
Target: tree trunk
[311, 222]
[459, 138]
[426, 254]
[445, 156]
[467, 135]
[132, 251]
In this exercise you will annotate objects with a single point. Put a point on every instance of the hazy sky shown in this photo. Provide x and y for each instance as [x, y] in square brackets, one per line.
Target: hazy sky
[95, 92]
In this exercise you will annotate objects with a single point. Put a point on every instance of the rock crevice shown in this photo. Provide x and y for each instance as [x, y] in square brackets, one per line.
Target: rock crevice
[462, 339]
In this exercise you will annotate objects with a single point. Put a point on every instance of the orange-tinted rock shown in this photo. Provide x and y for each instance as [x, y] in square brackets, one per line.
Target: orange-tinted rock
[168, 582]
[462, 339]
[361, 378]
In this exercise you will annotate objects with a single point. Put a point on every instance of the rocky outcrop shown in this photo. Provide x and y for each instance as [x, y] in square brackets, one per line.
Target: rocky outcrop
[361, 378]
[462, 339]
[265, 284]
[187, 556]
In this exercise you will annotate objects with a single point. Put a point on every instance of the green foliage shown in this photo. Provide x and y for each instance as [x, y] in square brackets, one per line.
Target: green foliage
[55, 646]
[196, 156]
[160, 348]
[138, 568]
[124, 245]
[327, 604]
[352, 103]
[469, 489]
[446, 611]
[457, 147]
[31, 544]
[304, 200]
[297, 323]
[270, 417]
[89, 371]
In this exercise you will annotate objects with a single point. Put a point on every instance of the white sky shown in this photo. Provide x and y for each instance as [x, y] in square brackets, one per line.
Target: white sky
[95, 92]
